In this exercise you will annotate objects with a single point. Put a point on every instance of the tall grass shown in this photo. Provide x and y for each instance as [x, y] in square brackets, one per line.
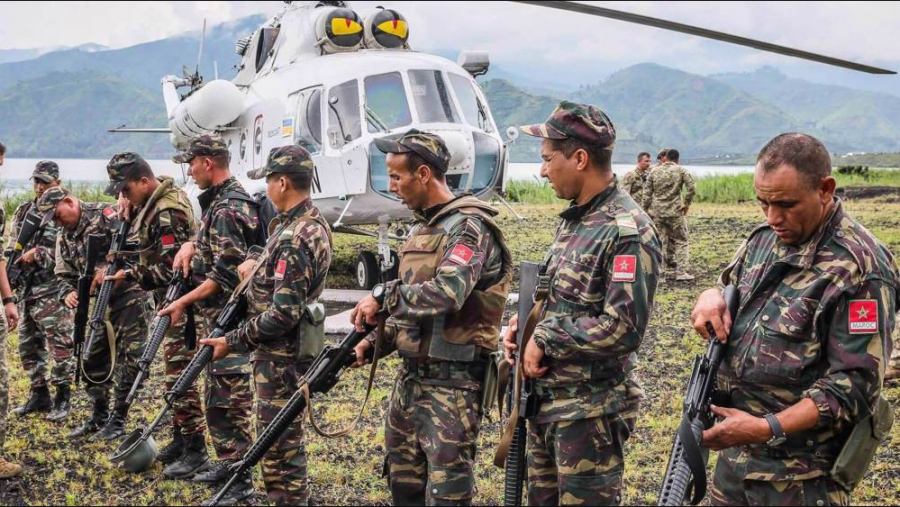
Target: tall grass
[530, 192]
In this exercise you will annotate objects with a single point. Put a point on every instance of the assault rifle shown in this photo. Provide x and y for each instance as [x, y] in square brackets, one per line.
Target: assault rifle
[30, 229]
[687, 462]
[92, 253]
[98, 316]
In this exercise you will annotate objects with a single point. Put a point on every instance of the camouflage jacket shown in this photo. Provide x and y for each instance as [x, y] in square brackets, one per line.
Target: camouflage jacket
[42, 280]
[662, 191]
[814, 322]
[100, 219]
[292, 277]
[603, 268]
[227, 230]
[634, 182]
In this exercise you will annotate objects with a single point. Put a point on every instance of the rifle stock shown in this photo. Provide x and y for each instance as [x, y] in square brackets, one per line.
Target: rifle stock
[687, 462]
[104, 295]
[29, 230]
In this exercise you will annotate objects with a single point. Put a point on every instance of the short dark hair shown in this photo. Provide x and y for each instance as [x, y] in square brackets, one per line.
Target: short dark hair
[672, 155]
[806, 154]
[143, 171]
[414, 161]
[642, 155]
[600, 156]
[2, 149]
[221, 160]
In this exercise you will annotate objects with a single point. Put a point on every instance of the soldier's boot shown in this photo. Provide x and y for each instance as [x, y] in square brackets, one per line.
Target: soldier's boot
[9, 470]
[240, 491]
[174, 450]
[62, 404]
[95, 422]
[115, 425]
[216, 474]
[684, 277]
[194, 459]
[39, 401]
[892, 374]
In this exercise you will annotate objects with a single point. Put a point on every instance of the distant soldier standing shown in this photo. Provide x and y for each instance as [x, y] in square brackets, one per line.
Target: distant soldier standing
[663, 202]
[292, 276]
[9, 318]
[634, 181]
[597, 297]
[45, 321]
[162, 218]
[228, 229]
[805, 356]
[445, 315]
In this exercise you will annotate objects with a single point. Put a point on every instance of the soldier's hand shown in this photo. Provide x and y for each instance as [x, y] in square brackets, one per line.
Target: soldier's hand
[219, 345]
[245, 268]
[364, 313]
[509, 340]
[531, 361]
[183, 258]
[72, 299]
[736, 428]
[174, 311]
[118, 278]
[99, 275]
[12, 316]
[711, 310]
[28, 257]
[360, 350]
[123, 206]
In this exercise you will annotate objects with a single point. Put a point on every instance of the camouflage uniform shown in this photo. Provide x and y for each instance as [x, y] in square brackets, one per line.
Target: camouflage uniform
[445, 312]
[4, 364]
[814, 322]
[602, 269]
[292, 277]
[663, 201]
[634, 182]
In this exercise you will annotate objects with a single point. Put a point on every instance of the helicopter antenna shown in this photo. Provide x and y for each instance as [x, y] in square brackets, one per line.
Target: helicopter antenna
[216, 69]
[200, 53]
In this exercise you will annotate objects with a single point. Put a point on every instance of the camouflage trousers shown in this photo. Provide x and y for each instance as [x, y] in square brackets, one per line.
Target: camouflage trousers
[579, 462]
[431, 436]
[130, 324]
[187, 412]
[46, 322]
[895, 353]
[4, 381]
[284, 466]
[674, 235]
[731, 488]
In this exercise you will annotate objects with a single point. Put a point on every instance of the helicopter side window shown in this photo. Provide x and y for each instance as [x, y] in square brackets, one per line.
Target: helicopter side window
[432, 98]
[344, 122]
[308, 119]
[473, 110]
[386, 104]
[266, 43]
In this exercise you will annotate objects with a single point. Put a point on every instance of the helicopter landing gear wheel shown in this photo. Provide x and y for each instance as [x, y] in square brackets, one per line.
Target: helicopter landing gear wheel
[368, 273]
[394, 273]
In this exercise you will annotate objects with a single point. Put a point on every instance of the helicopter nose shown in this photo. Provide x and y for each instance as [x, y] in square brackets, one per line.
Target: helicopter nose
[459, 144]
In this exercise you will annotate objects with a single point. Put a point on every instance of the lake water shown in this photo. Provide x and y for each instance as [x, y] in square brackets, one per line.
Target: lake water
[17, 171]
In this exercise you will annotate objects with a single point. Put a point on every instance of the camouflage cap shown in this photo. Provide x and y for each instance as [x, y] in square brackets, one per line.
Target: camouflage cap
[46, 171]
[123, 167]
[202, 146]
[48, 202]
[284, 160]
[571, 120]
[429, 146]
[662, 153]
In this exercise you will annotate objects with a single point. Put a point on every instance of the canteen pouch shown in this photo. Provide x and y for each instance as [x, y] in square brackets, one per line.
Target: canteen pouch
[491, 386]
[311, 333]
[855, 458]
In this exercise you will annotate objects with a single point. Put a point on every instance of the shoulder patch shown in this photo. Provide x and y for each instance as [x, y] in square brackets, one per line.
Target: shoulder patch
[624, 268]
[110, 213]
[627, 225]
[863, 316]
[461, 255]
[168, 242]
[280, 270]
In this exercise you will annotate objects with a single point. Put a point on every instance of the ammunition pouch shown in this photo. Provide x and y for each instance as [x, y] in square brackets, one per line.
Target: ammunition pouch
[310, 333]
[454, 374]
[858, 452]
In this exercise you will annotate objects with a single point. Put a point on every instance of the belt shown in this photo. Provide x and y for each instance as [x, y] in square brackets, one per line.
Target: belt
[449, 373]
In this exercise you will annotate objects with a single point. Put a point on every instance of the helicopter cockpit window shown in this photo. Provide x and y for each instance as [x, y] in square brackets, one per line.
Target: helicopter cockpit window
[386, 104]
[432, 98]
[344, 122]
[306, 107]
[474, 111]
[266, 43]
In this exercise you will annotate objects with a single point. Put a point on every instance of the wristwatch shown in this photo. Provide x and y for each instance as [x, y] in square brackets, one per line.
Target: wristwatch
[8, 300]
[378, 292]
[778, 436]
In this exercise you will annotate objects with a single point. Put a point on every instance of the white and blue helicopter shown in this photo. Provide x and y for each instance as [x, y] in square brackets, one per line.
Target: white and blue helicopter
[331, 79]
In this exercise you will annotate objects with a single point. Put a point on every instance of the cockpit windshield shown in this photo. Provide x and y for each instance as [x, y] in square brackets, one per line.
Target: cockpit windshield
[432, 98]
[386, 102]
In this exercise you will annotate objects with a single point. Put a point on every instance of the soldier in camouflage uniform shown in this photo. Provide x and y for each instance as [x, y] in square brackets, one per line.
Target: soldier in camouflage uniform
[229, 227]
[46, 322]
[634, 181]
[602, 271]
[445, 314]
[818, 295]
[129, 310]
[9, 318]
[291, 276]
[663, 201]
[163, 219]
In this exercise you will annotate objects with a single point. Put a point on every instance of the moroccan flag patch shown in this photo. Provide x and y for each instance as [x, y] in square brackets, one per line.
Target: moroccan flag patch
[280, 270]
[109, 212]
[863, 316]
[461, 254]
[624, 268]
[168, 241]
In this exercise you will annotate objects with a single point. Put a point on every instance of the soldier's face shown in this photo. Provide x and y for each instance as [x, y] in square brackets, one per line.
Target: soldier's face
[67, 213]
[407, 185]
[137, 191]
[792, 207]
[41, 186]
[644, 163]
[563, 173]
[198, 169]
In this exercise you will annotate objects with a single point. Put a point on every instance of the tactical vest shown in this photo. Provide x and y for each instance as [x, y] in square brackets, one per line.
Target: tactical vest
[166, 197]
[455, 336]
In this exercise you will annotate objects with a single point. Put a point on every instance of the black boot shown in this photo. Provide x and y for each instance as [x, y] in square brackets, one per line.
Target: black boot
[240, 491]
[174, 450]
[115, 425]
[96, 421]
[62, 404]
[215, 475]
[195, 459]
[38, 402]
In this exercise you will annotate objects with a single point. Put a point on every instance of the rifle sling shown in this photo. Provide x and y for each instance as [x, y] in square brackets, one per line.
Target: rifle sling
[693, 457]
[111, 338]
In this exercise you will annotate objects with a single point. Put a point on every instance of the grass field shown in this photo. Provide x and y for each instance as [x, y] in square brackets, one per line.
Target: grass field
[348, 471]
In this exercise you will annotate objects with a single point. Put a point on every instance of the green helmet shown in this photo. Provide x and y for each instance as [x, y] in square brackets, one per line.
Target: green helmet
[136, 454]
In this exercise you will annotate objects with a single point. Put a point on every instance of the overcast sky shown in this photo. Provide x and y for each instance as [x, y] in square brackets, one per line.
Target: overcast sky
[523, 35]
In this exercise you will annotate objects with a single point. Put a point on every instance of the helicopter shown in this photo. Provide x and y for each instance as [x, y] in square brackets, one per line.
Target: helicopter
[332, 80]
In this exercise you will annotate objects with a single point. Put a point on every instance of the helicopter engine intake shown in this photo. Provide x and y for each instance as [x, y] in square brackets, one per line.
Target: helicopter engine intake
[208, 109]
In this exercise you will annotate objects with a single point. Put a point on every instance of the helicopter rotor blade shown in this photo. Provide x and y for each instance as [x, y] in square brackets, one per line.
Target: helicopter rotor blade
[703, 32]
